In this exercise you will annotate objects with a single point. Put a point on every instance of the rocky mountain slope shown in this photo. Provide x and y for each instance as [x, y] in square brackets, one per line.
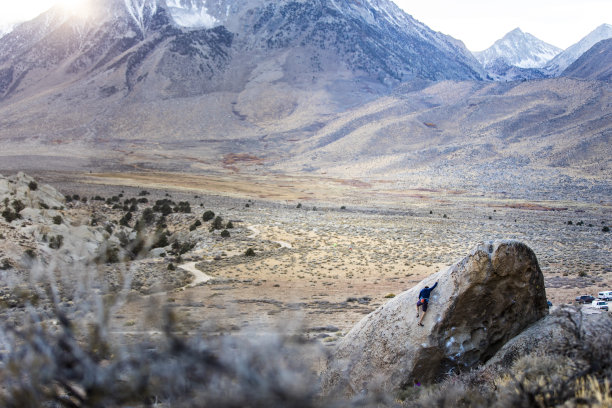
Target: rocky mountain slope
[145, 51]
[595, 64]
[350, 89]
[487, 134]
[566, 58]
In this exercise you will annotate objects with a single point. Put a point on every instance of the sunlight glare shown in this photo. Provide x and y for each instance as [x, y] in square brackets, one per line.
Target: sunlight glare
[78, 7]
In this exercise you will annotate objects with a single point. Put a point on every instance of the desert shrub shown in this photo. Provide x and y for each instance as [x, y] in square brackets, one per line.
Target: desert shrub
[182, 248]
[137, 246]
[165, 209]
[57, 219]
[108, 254]
[299, 205]
[144, 193]
[68, 198]
[594, 392]
[195, 225]
[208, 215]
[125, 220]
[5, 264]
[161, 239]
[570, 223]
[56, 242]
[148, 216]
[32, 185]
[230, 225]
[161, 223]
[53, 366]
[225, 233]
[171, 267]
[18, 206]
[30, 253]
[605, 229]
[249, 252]
[9, 215]
[183, 207]
[163, 206]
[217, 223]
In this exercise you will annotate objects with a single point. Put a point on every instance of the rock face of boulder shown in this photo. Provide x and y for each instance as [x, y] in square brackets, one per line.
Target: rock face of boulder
[479, 304]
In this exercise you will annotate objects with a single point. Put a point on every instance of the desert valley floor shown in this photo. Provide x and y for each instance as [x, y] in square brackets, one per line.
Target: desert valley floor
[330, 251]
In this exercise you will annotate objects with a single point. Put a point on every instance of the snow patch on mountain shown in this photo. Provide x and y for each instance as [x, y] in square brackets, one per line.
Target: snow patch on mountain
[141, 11]
[191, 14]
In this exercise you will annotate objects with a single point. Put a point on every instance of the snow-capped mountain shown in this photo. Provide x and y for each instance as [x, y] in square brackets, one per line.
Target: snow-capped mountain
[187, 47]
[558, 64]
[518, 49]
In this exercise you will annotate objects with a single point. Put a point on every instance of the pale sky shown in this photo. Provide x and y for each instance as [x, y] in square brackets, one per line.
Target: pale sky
[478, 23]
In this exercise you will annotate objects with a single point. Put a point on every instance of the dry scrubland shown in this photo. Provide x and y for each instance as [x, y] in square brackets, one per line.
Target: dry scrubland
[326, 253]
[337, 256]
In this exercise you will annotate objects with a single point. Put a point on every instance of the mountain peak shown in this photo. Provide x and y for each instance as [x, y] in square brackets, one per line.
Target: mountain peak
[515, 32]
[518, 49]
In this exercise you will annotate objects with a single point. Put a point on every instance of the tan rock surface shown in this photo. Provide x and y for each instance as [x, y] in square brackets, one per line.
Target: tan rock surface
[479, 304]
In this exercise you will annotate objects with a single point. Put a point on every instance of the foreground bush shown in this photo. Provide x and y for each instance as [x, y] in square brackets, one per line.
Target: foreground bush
[64, 355]
[60, 351]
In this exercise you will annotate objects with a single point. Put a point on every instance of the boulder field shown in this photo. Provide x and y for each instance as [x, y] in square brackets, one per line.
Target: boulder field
[480, 303]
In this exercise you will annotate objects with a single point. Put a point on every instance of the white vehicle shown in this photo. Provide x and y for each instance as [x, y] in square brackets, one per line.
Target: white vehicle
[607, 295]
[600, 304]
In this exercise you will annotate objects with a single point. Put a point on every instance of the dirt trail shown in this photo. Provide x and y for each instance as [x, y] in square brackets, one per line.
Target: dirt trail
[200, 277]
[256, 232]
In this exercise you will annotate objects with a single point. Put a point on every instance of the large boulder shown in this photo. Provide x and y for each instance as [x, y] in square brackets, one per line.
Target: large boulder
[479, 304]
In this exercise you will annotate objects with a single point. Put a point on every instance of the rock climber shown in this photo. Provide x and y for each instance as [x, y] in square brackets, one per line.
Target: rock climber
[424, 301]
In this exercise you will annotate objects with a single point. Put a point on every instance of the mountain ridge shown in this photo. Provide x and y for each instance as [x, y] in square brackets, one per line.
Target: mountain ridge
[556, 66]
[311, 89]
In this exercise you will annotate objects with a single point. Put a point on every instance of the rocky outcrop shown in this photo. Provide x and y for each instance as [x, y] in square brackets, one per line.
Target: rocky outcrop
[25, 189]
[480, 303]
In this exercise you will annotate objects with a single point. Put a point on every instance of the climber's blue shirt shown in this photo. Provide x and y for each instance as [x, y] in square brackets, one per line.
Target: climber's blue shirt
[424, 293]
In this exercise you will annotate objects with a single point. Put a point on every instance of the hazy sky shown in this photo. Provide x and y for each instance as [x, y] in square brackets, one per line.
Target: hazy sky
[478, 23]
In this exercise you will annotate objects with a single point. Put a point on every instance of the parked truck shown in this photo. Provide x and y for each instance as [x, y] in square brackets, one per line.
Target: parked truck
[605, 295]
[600, 304]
